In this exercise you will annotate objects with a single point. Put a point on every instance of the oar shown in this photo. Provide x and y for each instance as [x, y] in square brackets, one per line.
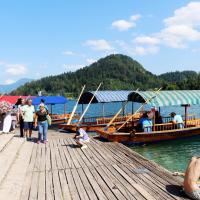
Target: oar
[117, 114]
[89, 104]
[75, 107]
[147, 101]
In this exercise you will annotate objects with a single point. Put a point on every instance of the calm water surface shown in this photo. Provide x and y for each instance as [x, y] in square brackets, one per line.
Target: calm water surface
[173, 155]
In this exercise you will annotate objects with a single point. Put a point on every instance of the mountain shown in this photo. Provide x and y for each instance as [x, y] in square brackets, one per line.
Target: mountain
[5, 89]
[177, 76]
[117, 72]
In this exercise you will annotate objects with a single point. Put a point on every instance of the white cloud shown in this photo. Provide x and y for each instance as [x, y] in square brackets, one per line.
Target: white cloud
[187, 15]
[90, 61]
[142, 51]
[135, 17]
[16, 69]
[146, 40]
[9, 81]
[72, 67]
[179, 30]
[124, 25]
[68, 53]
[99, 45]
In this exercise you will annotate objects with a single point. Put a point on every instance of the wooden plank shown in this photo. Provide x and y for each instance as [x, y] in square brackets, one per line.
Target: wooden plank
[138, 187]
[102, 184]
[134, 193]
[152, 166]
[70, 147]
[117, 183]
[4, 140]
[49, 186]
[43, 160]
[86, 184]
[65, 150]
[72, 187]
[38, 158]
[34, 186]
[61, 150]
[28, 179]
[64, 185]
[79, 158]
[41, 186]
[81, 190]
[94, 184]
[48, 159]
[53, 156]
[57, 186]
[150, 186]
[57, 154]
[111, 184]
[11, 187]
[8, 155]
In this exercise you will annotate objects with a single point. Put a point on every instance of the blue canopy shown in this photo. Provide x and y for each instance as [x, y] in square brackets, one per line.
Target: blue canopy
[50, 100]
[106, 96]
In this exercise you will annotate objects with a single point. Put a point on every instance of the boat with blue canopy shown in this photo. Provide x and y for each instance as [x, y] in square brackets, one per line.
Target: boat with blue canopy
[50, 101]
[103, 98]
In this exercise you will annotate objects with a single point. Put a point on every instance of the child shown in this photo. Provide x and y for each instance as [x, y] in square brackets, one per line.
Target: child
[82, 138]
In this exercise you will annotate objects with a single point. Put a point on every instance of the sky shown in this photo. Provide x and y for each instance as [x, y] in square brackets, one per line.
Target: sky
[49, 37]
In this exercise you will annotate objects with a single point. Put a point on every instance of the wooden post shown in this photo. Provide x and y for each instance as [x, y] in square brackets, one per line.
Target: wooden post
[64, 112]
[123, 110]
[186, 112]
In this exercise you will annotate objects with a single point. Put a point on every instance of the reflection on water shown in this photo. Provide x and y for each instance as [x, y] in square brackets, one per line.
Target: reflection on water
[173, 155]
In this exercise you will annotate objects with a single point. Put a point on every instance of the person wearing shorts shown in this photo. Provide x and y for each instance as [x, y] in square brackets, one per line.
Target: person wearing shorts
[82, 138]
[28, 112]
[191, 177]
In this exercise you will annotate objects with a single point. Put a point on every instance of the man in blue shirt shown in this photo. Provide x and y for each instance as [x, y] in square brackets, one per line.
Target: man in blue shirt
[177, 119]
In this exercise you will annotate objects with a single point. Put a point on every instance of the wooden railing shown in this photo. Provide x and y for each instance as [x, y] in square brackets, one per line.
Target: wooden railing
[171, 126]
[189, 117]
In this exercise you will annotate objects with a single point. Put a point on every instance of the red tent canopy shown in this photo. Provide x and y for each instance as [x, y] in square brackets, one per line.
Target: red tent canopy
[12, 99]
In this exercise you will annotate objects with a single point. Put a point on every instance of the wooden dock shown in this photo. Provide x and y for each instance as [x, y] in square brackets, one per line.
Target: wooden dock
[60, 171]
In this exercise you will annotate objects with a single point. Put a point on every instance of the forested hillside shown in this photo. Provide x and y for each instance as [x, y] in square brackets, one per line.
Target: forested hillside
[117, 72]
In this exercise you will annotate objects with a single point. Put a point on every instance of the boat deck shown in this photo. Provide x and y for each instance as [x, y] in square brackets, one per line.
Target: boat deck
[60, 170]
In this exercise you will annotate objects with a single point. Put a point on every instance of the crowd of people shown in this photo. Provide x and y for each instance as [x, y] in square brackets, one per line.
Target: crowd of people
[24, 115]
[150, 118]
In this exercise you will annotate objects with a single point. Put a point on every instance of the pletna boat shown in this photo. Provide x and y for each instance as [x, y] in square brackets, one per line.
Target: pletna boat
[101, 97]
[129, 134]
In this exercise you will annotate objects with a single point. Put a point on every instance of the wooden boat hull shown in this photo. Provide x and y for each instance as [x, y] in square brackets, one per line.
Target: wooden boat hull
[86, 127]
[142, 138]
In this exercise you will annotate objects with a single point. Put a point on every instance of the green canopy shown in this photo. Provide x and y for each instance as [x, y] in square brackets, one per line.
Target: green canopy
[166, 98]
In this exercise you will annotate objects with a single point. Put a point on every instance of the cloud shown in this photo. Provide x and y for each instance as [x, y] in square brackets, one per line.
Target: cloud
[142, 51]
[124, 25]
[68, 53]
[9, 81]
[146, 40]
[99, 45]
[90, 61]
[16, 69]
[135, 17]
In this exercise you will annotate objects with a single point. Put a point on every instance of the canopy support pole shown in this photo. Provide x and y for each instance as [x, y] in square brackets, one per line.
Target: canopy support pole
[186, 113]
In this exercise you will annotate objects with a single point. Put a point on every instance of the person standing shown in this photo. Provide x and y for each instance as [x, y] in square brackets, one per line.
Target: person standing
[42, 123]
[20, 104]
[27, 112]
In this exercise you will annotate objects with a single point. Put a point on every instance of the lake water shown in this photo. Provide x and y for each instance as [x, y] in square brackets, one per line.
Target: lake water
[173, 155]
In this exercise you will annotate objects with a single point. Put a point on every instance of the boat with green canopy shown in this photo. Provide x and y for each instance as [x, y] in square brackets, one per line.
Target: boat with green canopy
[129, 133]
